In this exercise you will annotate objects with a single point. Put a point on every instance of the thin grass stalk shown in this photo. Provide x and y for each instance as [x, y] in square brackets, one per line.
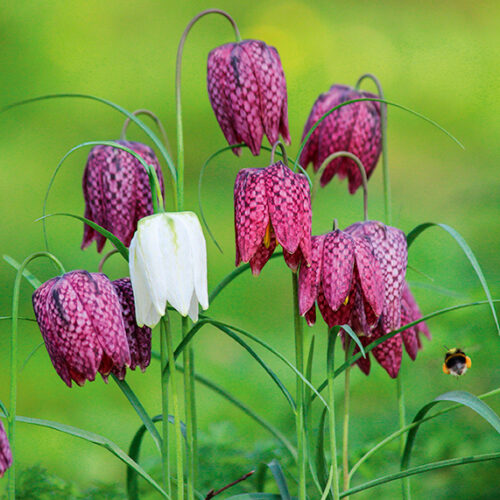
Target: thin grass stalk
[299, 415]
[330, 369]
[165, 454]
[349, 348]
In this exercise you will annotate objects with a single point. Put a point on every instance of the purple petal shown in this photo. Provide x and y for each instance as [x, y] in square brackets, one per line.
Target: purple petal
[262, 255]
[389, 353]
[310, 277]
[5, 451]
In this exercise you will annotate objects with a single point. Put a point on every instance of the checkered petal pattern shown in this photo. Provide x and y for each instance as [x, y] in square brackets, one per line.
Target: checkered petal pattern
[80, 317]
[247, 89]
[272, 206]
[139, 339]
[116, 191]
[390, 249]
[355, 128]
[5, 451]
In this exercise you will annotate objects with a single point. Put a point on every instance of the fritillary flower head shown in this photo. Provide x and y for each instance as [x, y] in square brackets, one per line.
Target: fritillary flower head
[80, 317]
[117, 192]
[272, 206]
[138, 338]
[5, 451]
[247, 90]
[344, 276]
[355, 128]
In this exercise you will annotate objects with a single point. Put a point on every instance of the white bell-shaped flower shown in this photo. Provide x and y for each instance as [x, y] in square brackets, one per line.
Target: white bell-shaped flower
[168, 263]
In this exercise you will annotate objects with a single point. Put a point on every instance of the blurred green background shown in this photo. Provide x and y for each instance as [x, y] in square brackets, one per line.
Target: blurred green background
[439, 58]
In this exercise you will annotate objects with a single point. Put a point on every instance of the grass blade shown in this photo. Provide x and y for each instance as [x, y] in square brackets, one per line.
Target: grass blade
[412, 235]
[31, 278]
[321, 467]
[279, 477]
[326, 491]
[354, 337]
[461, 397]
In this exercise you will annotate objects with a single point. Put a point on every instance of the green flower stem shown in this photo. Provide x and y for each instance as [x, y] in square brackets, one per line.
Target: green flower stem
[362, 170]
[330, 368]
[405, 484]
[177, 413]
[105, 258]
[349, 349]
[11, 487]
[189, 403]
[283, 152]
[159, 124]
[299, 420]
[408, 427]
[164, 332]
[178, 70]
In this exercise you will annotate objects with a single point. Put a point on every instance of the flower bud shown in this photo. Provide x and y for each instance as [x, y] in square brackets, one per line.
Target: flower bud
[168, 263]
[80, 317]
[247, 90]
[116, 191]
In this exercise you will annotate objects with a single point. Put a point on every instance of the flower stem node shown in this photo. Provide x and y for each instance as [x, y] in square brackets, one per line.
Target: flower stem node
[168, 263]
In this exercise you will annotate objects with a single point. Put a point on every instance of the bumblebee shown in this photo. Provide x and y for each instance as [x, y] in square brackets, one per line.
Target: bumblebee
[456, 362]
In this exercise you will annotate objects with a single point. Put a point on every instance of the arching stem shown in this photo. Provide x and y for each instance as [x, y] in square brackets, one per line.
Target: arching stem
[161, 128]
[11, 487]
[385, 165]
[105, 258]
[364, 179]
[178, 69]
[283, 152]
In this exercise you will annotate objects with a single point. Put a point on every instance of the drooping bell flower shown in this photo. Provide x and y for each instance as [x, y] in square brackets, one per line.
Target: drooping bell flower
[247, 90]
[80, 317]
[344, 276]
[5, 451]
[272, 206]
[168, 263]
[355, 128]
[138, 338]
[116, 191]
[389, 247]
[389, 353]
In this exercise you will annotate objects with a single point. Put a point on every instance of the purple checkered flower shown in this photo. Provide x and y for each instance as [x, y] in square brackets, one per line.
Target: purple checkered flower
[389, 353]
[344, 277]
[354, 128]
[272, 206]
[81, 320]
[116, 191]
[247, 90]
[5, 452]
[139, 338]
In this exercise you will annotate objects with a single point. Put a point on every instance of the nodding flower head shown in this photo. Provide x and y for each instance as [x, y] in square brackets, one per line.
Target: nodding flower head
[5, 451]
[247, 90]
[138, 338]
[344, 277]
[355, 128]
[272, 206]
[80, 317]
[116, 191]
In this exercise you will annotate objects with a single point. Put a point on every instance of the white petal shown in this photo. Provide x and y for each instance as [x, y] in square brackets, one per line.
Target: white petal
[193, 308]
[199, 253]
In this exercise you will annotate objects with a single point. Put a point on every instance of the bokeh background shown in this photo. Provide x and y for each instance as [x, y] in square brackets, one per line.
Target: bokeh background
[439, 58]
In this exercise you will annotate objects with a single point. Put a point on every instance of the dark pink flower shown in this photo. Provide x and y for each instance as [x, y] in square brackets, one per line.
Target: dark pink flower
[247, 90]
[5, 452]
[116, 191]
[139, 339]
[272, 205]
[354, 128]
[389, 353]
[344, 277]
[80, 317]
[390, 249]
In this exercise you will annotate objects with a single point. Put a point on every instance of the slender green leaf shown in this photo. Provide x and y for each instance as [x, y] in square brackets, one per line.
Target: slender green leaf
[4, 410]
[326, 491]
[419, 470]
[140, 410]
[134, 452]
[354, 337]
[31, 354]
[279, 477]
[232, 275]
[255, 496]
[19, 317]
[96, 439]
[437, 289]
[260, 476]
[412, 235]
[389, 335]
[461, 397]
[32, 279]
[321, 466]
[117, 107]
[111, 237]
